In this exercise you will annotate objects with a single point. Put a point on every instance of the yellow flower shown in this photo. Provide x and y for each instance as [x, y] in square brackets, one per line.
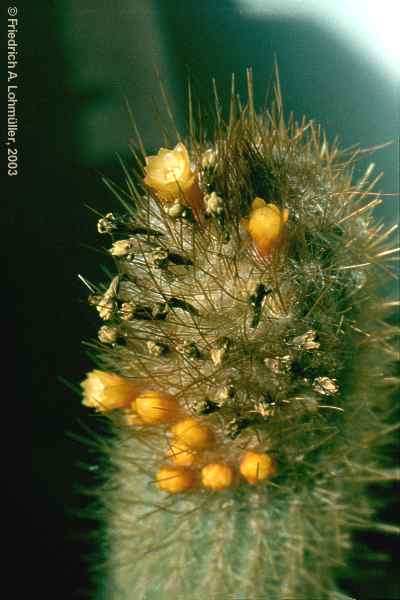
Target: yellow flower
[106, 391]
[256, 467]
[130, 418]
[217, 476]
[192, 433]
[175, 480]
[181, 454]
[157, 407]
[170, 177]
[266, 225]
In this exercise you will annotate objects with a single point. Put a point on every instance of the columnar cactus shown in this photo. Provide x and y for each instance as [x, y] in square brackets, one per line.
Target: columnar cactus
[242, 363]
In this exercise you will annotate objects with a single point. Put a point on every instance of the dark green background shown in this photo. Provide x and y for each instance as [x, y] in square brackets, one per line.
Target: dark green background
[78, 60]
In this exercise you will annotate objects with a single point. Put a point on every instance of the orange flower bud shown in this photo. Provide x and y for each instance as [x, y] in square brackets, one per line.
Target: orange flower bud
[175, 480]
[157, 407]
[266, 225]
[192, 433]
[256, 467]
[217, 476]
[130, 416]
[181, 454]
[130, 419]
[106, 391]
[169, 175]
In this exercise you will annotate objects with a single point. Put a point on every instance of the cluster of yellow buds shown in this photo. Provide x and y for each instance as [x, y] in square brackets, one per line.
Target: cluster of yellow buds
[255, 467]
[191, 441]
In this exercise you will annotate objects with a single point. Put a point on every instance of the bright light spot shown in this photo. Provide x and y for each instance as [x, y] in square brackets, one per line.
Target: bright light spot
[372, 26]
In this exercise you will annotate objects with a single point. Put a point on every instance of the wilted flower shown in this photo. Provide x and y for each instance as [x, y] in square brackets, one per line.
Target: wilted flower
[121, 248]
[108, 334]
[209, 159]
[214, 204]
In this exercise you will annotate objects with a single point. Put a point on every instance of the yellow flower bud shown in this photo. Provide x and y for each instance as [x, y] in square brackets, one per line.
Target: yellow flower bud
[170, 177]
[217, 476]
[131, 419]
[256, 467]
[192, 433]
[157, 407]
[266, 225]
[175, 480]
[106, 391]
[181, 454]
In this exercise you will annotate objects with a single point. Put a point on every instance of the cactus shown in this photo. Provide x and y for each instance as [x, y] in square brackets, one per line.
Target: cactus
[243, 363]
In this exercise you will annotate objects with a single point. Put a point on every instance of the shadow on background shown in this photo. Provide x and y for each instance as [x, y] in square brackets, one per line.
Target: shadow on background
[65, 118]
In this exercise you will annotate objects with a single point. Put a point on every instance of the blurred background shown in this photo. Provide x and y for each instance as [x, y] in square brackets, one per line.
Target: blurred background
[79, 60]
